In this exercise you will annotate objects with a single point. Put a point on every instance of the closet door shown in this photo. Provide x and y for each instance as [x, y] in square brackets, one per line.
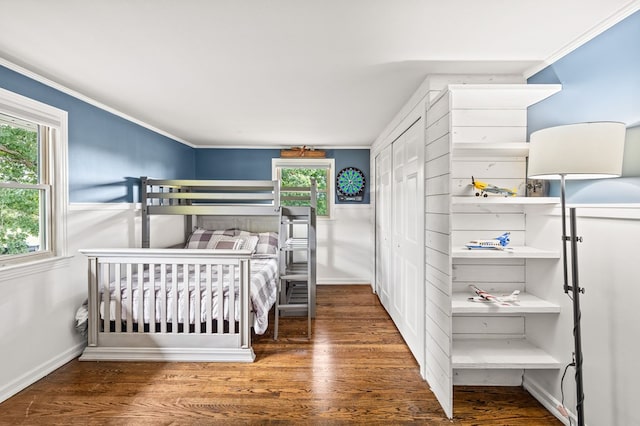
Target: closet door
[407, 293]
[383, 225]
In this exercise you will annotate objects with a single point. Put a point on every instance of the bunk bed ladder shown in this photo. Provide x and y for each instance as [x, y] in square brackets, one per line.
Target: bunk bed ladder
[297, 240]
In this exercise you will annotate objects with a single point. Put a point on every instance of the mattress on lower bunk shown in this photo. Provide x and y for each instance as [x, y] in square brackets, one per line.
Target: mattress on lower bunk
[262, 295]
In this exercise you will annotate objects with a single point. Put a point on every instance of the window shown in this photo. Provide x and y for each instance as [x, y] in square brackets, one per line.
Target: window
[32, 180]
[295, 173]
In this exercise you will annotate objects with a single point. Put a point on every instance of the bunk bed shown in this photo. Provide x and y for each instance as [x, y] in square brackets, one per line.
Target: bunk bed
[196, 303]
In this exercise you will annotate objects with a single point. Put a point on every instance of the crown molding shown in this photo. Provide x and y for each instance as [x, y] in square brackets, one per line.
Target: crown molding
[585, 37]
[59, 87]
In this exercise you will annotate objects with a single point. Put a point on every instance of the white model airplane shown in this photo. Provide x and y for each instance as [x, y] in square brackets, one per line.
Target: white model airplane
[483, 296]
[498, 243]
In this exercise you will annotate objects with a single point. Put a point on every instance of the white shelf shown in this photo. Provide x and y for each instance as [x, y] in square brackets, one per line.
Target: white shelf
[511, 252]
[496, 199]
[527, 304]
[492, 96]
[505, 149]
[500, 354]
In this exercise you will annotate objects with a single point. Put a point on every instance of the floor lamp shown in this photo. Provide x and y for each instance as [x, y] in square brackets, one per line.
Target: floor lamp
[576, 151]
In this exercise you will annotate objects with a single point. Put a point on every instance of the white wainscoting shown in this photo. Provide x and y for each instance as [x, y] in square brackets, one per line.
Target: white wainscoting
[37, 310]
[608, 271]
[345, 245]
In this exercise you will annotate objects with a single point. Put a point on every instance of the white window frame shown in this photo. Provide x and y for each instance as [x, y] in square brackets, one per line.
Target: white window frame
[56, 119]
[310, 163]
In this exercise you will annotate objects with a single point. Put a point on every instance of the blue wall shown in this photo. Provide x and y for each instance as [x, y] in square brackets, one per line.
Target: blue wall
[107, 154]
[218, 163]
[600, 82]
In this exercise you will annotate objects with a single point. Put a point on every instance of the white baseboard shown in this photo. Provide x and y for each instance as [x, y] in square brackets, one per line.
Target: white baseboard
[168, 354]
[547, 400]
[486, 377]
[343, 281]
[29, 378]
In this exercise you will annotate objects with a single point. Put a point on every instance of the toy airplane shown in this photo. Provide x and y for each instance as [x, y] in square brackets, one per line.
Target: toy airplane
[485, 189]
[483, 296]
[498, 243]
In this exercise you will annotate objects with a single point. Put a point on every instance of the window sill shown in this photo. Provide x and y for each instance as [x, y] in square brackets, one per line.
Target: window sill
[10, 272]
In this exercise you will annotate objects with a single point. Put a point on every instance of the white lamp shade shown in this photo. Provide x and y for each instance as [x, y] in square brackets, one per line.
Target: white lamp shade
[577, 151]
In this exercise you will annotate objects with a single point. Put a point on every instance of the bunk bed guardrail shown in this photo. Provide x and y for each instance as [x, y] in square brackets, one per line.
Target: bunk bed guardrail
[206, 197]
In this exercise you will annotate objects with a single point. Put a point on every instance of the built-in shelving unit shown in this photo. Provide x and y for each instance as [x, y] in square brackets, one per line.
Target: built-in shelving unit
[480, 130]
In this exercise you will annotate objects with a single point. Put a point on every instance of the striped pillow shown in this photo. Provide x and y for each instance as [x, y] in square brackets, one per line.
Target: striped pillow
[267, 243]
[228, 244]
[200, 238]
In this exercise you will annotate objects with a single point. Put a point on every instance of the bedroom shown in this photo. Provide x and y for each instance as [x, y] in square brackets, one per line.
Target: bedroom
[106, 152]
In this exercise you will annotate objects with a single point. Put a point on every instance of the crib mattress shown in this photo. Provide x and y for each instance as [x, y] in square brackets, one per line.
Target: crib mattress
[262, 295]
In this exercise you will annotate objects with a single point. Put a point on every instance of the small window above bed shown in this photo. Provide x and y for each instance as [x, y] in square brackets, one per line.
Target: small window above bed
[298, 172]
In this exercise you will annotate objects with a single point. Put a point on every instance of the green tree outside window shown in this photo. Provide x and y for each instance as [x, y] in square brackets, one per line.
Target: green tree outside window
[19, 207]
[301, 177]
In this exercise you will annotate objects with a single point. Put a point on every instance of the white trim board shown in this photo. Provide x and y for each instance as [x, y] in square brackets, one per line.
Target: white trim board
[40, 371]
[547, 400]
[18, 270]
[344, 281]
[604, 211]
[79, 207]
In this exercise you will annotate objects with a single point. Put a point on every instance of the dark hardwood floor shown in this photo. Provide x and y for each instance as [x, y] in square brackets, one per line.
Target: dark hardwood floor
[356, 369]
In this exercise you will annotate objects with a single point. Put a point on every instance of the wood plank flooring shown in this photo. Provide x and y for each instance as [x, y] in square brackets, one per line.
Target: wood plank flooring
[356, 369]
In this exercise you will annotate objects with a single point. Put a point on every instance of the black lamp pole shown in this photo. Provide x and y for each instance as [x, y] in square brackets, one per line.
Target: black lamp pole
[575, 295]
[576, 290]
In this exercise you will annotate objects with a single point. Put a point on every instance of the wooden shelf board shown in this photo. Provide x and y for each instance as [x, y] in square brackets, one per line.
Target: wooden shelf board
[527, 304]
[506, 149]
[494, 199]
[511, 252]
[500, 354]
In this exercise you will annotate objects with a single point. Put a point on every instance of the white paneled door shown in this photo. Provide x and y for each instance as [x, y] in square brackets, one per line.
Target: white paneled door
[403, 294]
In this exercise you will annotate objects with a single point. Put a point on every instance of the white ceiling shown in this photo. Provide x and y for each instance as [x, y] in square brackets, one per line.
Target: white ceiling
[283, 72]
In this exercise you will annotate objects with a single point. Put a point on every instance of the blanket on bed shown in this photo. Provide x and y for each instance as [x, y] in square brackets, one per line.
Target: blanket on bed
[262, 295]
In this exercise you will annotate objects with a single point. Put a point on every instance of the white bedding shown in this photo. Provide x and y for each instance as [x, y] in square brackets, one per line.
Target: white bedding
[262, 295]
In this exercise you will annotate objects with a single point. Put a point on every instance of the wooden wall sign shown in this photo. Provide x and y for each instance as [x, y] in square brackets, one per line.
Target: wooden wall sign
[302, 152]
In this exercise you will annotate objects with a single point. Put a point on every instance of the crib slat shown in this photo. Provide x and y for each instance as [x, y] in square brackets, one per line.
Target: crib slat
[118, 299]
[174, 297]
[129, 296]
[209, 308]
[185, 298]
[231, 299]
[244, 269]
[152, 298]
[140, 308]
[94, 302]
[163, 298]
[106, 297]
[196, 300]
[220, 299]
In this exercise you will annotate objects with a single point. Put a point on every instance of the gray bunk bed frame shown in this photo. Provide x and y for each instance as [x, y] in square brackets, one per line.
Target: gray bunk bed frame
[164, 340]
